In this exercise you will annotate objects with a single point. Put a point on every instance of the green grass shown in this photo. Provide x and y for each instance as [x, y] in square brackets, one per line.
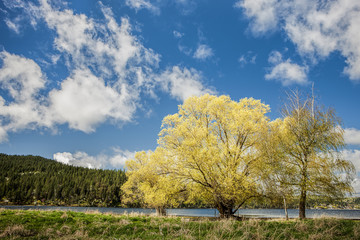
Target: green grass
[20, 224]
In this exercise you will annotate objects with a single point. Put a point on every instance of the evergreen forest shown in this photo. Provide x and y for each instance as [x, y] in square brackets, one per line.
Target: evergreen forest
[37, 180]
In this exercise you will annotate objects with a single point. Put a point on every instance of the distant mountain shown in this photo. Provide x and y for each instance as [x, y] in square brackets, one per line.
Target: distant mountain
[37, 180]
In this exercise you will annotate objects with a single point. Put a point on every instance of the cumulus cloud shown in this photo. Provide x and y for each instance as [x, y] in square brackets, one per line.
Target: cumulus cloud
[87, 97]
[352, 136]
[182, 83]
[142, 4]
[110, 71]
[83, 101]
[203, 52]
[120, 157]
[285, 71]
[317, 28]
[263, 14]
[22, 79]
[103, 161]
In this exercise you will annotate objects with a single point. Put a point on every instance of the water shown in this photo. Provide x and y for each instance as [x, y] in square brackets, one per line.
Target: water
[208, 212]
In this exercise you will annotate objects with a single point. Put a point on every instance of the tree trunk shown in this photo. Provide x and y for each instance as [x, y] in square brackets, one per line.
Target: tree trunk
[160, 211]
[285, 207]
[303, 187]
[225, 211]
[302, 204]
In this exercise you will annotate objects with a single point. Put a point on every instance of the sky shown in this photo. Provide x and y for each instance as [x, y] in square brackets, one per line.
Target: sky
[88, 83]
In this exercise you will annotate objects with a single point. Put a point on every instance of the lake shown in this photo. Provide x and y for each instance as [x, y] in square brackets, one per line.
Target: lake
[208, 212]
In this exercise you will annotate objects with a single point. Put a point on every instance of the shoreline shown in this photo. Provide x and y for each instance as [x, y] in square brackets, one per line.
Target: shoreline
[40, 205]
[199, 213]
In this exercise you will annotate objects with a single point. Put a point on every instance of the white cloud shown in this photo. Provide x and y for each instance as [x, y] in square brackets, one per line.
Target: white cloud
[105, 46]
[117, 55]
[13, 25]
[110, 70]
[285, 71]
[317, 28]
[120, 157]
[262, 12]
[352, 136]
[356, 186]
[103, 161]
[55, 58]
[22, 79]
[178, 34]
[83, 101]
[203, 52]
[183, 83]
[142, 4]
[187, 51]
[275, 57]
[248, 58]
[80, 159]
[185, 6]
[31, 15]
[3, 134]
[64, 157]
[353, 155]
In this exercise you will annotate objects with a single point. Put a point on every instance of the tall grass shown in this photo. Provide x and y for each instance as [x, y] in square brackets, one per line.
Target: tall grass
[20, 224]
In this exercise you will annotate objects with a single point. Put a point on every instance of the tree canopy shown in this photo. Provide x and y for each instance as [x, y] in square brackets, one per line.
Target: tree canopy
[149, 184]
[208, 148]
[224, 152]
[310, 143]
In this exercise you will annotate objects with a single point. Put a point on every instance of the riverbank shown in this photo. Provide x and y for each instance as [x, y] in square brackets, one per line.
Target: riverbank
[204, 212]
[18, 224]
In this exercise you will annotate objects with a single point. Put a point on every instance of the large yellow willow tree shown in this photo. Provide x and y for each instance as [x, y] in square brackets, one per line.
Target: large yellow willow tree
[310, 141]
[212, 149]
[149, 185]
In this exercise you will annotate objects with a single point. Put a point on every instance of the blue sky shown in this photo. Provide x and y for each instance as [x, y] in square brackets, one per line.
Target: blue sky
[89, 82]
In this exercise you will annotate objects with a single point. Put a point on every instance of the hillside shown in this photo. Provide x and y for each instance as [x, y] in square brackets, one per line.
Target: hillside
[37, 180]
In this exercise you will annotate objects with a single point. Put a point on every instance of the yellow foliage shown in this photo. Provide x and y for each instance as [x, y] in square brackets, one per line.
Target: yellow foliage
[224, 152]
[310, 141]
[213, 144]
[148, 183]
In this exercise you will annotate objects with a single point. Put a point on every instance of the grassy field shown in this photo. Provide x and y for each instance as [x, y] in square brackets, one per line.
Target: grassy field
[20, 224]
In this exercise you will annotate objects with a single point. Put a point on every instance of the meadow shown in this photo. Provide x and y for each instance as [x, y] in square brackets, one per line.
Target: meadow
[20, 224]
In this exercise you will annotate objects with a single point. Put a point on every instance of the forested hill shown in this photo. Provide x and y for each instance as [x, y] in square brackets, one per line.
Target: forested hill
[37, 180]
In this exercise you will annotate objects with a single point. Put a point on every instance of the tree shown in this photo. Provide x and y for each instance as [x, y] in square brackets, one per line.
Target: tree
[212, 146]
[277, 173]
[148, 184]
[311, 139]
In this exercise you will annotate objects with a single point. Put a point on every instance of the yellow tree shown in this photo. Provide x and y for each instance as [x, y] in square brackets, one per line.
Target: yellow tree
[277, 172]
[311, 139]
[148, 184]
[213, 146]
